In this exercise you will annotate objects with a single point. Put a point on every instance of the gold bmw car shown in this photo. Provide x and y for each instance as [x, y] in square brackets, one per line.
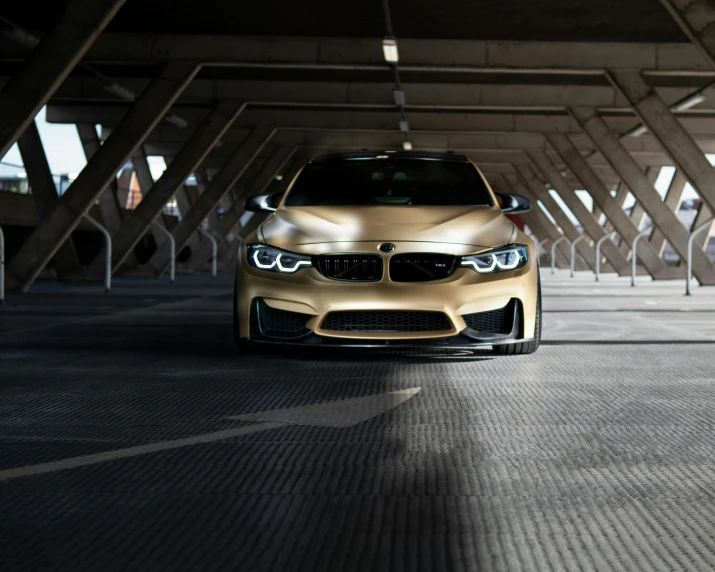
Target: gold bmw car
[379, 249]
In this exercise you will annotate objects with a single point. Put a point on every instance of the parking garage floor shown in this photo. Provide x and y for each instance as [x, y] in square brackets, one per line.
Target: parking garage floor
[133, 436]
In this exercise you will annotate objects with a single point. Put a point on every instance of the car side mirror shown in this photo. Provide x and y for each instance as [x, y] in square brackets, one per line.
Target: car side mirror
[266, 203]
[512, 204]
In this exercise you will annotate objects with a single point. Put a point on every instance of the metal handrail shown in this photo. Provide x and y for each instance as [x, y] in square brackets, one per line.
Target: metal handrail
[634, 259]
[2, 266]
[553, 252]
[172, 244]
[214, 250]
[107, 252]
[573, 252]
[599, 242]
[689, 275]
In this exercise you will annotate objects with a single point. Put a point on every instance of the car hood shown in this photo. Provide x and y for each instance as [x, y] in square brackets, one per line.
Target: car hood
[475, 226]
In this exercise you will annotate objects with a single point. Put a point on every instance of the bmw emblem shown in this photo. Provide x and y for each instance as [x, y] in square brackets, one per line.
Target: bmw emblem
[387, 247]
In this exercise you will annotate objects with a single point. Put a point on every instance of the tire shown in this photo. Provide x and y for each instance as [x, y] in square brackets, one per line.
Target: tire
[524, 348]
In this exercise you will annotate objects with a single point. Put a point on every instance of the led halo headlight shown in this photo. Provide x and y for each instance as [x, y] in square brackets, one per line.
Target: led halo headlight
[274, 259]
[500, 259]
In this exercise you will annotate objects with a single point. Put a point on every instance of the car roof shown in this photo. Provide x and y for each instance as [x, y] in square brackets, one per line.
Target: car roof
[369, 154]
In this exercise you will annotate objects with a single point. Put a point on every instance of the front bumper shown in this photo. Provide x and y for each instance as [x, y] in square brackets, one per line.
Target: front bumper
[309, 293]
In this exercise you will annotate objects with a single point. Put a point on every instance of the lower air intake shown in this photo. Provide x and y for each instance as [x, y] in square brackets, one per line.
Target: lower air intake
[498, 321]
[386, 321]
[276, 323]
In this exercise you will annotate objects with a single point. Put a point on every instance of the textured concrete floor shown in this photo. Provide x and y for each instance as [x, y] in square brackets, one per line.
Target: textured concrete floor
[596, 453]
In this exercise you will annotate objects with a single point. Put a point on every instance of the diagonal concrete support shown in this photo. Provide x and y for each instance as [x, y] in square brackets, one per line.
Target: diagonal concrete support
[108, 203]
[275, 163]
[142, 170]
[539, 191]
[701, 217]
[220, 185]
[49, 63]
[673, 200]
[44, 192]
[522, 188]
[695, 18]
[638, 213]
[186, 161]
[631, 174]
[669, 132]
[153, 104]
[623, 225]
[579, 210]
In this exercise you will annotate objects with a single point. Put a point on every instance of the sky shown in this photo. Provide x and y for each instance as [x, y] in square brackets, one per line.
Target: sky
[64, 150]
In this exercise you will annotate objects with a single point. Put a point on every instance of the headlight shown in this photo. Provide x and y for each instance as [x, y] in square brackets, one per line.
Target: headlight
[498, 260]
[276, 260]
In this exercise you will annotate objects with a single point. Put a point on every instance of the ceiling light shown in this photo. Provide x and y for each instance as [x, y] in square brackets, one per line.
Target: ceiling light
[389, 50]
[407, 146]
[689, 102]
[120, 92]
[638, 131]
[404, 125]
[382, 157]
[399, 96]
[279, 177]
[176, 120]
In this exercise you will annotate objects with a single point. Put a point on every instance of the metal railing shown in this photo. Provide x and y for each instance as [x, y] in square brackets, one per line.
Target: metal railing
[172, 246]
[573, 252]
[600, 241]
[691, 238]
[214, 250]
[107, 252]
[553, 252]
[2, 266]
[634, 259]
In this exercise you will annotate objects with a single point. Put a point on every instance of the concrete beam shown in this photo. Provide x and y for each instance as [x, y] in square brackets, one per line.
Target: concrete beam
[615, 215]
[257, 185]
[184, 163]
[695, 18]
[643, 191]
[108, 202]
[44, 192]
[535, 183]
[219, 186]
[670, 133]
[152, 105]
[583, 215]
[49, 63]
[673, 200]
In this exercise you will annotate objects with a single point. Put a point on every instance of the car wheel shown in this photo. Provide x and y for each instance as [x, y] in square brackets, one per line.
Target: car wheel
[524, 348]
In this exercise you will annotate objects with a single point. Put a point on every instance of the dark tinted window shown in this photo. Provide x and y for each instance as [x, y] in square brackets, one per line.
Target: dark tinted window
[359, 182]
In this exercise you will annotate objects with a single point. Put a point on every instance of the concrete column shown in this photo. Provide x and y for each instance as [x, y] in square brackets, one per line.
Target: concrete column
[669, 132]
[186, 161]
[49, 63]
[220, 185]
[108, 203]
[583, 215]
[649, 257]
[638, 213]
[539, 191]
[631, 174]
[563, 253]
[44, 192]
[701, 217]
[153, 104]
[265, 175]
[142, 170]
[673, 200]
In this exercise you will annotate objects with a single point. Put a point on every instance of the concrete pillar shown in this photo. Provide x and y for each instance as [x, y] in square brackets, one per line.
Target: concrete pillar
[186, 161]
[673, 200]
[631, 174]
[539, 191]
[649, 257]
[520, 186]
[142, 170]
[49, 63]
[265, 175]
[151, 106]
[638, 213]
[220, 185]
[44, 192]
[701, 217]
[583, 215]
[108, 203]
[669, 132]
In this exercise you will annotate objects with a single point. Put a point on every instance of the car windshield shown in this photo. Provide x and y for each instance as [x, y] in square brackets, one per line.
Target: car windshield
[361, 182]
